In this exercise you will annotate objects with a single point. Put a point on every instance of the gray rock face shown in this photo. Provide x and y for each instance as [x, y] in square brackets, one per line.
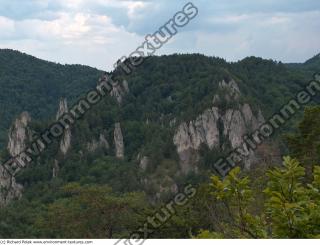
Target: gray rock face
[215, 124]
[125, 86]
[65, 141]
[168, 185]
[55, 169]
[232, 89]
[63, 108]
[118, 90]
[118, 141]
[144, 162]
[19, 135]
[202, 130]
[9, 189]
[189, 137]
[96, 144]
[234, 127]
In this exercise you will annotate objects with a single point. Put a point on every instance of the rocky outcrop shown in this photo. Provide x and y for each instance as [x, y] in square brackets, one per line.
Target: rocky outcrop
[232, 89]
[144, 162]
[217, 128]
[19, 135]
[55, 169]
[167, 186]
[9, 189]
[101, 143]
[65, 142]
[118, 141]
[203, 130]
[62, 109]
[165, 190]
[125, 86]
[118, 90]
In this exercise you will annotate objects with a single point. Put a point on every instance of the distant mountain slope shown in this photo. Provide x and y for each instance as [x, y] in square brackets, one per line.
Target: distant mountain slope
[163, 126]
[183, 85]
[34, 85]
[308, 67]
[313, 63]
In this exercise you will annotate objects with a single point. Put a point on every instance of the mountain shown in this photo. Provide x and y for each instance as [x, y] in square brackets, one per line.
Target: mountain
[34, 85]
[313, 63]
[162, 126]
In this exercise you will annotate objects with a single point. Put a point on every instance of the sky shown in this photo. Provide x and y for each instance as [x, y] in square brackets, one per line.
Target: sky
[98, 32]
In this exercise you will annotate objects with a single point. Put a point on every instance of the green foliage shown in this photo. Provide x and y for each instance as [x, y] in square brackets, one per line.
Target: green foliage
[204, 234]
[290, 204]
[305, 143]
[235, 193]
[164, 91]
[291, 209]
[34, 85]
[91, 212]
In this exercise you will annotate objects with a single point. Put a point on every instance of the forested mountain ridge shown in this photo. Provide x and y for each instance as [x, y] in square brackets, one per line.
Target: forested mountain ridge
[34, 85]
[311, 65]
[176, 115]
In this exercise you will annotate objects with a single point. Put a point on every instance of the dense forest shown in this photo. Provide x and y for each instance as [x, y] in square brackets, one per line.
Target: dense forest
[95, 192]
[33, 85]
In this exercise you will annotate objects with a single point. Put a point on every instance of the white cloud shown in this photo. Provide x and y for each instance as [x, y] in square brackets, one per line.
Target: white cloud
[71, 38]
[6, 27]
[98, 32]
[289, 37]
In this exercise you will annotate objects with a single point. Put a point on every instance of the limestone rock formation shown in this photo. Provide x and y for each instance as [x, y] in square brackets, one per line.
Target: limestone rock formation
[65, 142]
[55, 169]
[63, 108]
[167, 186]
[144, 162]
[9, 189]
[217, 128]
[19, 135]
[202, 130]
[232, 89]
[118, 141]
[96, 144]
[125, 86]
[118, 90]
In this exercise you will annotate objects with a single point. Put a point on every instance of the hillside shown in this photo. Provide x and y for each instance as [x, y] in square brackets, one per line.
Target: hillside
[161, 127]
[34, 85]
[313, 63]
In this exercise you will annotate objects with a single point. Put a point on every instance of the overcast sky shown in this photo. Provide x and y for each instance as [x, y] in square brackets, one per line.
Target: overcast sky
[98, 32]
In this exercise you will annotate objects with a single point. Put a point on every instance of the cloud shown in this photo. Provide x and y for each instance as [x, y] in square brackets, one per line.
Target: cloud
[289, 37]
[70, 38]
[6, 27]
[98, 32]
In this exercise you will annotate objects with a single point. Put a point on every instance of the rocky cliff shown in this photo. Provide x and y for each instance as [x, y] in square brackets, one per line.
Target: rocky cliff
[118, 89]
[101, 143]
[9, 189]
[118, 141]
[65, 142]
[19, 135]
[220, 127]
